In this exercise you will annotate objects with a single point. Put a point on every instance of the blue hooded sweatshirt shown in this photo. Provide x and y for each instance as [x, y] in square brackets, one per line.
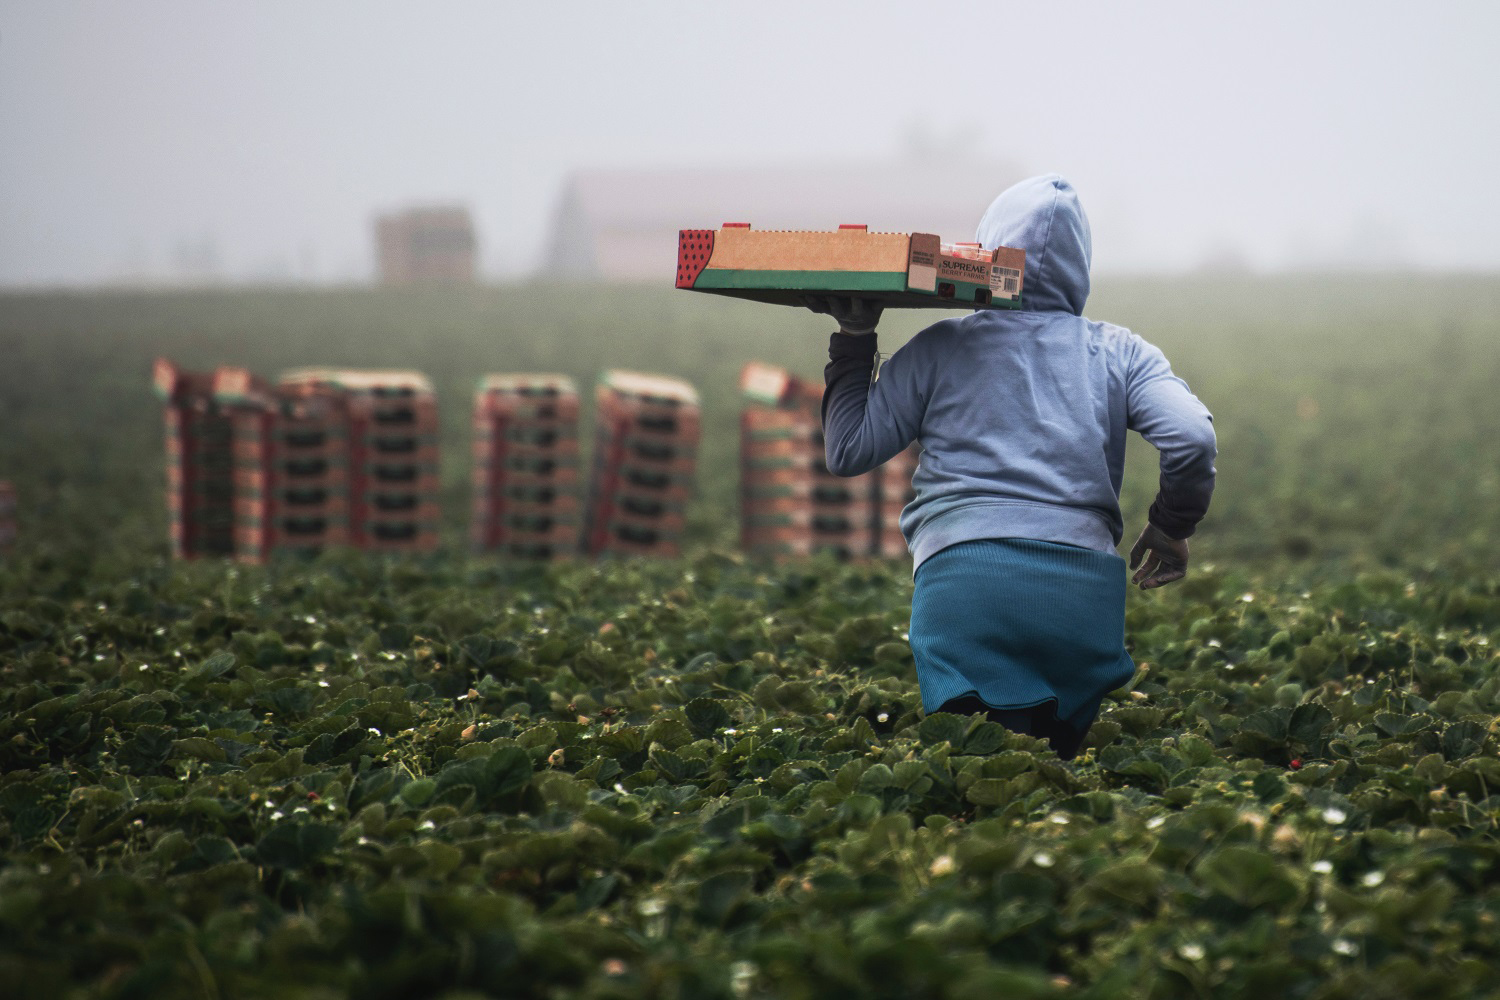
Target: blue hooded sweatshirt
[1022, 414]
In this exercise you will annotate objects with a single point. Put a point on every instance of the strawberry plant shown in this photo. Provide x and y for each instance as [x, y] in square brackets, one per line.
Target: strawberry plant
[711, 777]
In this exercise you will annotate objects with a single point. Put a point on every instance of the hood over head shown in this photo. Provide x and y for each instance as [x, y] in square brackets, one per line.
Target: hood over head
[1042, 216]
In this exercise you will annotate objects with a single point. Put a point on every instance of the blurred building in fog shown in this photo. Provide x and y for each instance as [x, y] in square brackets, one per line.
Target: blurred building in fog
[425, 246]
[621, 225]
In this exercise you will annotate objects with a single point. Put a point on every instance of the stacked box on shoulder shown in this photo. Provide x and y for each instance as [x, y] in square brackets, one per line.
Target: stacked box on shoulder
[526, 466]
[645, 460]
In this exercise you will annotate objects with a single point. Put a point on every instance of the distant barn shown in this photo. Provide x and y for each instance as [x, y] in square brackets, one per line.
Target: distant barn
[426, 246]
[621, 225]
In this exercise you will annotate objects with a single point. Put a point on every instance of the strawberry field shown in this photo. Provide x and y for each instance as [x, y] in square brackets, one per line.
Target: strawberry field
[462, 777]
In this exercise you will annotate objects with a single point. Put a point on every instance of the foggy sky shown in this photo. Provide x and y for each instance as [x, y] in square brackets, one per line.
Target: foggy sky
[255, 142]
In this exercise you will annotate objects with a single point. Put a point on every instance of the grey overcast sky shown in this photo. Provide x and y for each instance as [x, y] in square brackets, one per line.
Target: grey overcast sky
[258, 139]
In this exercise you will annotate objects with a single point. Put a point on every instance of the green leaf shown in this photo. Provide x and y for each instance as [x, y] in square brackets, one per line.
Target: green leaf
[719, 894]
[148, 749]
[1135, 882]
[199, 748]
[670, 765]
[217, 665]
[1272, 724]
[669, 732]
[989, 792]
[596, 892]
[984, 738]
[417, 793]
[1400, 726]
[296, 845]
[1463, 739]
[1308, 723]
[879, 776]
[1249, 877]
[706, 716]
[941, 727]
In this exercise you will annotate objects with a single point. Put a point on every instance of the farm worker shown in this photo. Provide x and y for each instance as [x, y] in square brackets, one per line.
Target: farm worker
[1019, 603]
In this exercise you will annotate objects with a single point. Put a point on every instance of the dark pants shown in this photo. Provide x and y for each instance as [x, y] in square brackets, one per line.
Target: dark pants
[1040, 722]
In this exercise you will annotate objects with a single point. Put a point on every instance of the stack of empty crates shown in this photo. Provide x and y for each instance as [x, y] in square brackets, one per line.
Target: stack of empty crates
[200, 466]
[790, 504]
[324, 458]
[526, 466]
[645, 457]
[7, 515]
[392, 452]
[291, 473]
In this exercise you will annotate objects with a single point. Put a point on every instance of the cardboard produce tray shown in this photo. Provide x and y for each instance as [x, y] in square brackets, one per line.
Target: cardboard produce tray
[900, 270]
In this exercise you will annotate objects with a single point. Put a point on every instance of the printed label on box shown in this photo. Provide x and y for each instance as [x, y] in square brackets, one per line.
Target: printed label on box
[921, 268]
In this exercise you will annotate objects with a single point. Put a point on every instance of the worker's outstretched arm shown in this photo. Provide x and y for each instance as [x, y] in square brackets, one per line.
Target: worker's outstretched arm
[1162, 408]
[865, 423]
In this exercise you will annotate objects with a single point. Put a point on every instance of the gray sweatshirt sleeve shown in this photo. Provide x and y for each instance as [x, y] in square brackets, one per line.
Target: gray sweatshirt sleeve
[865, 424]
[1162, 408]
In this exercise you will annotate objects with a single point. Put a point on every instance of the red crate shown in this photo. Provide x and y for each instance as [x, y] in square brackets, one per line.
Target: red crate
[561, 478]
[639, 389]
[532, 493]
[539, 387]
[492, 479]
[489, 505]
[528, 432]
[768, 449]
[653, 548]
[256, 480]
[415, 414]
[769, 479]
[757, 423]
[819, 520]
[276, 450]
[645, 484]
[302, 532]
[645, 464]
[517, 409]
[615, 530]
[656, 451]
[501, 531]
[394, 447]
[812, 489]
[670, 522]
[419, 539]
[370, 507]
[811, 460]
[493, 452]
[293, 503]
[534, 549]
[863, 511]
[557, 540]
[768, 385]
[678, 425]
[856, 540]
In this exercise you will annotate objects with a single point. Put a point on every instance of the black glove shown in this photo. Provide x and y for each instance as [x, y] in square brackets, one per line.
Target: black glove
[855, 317]
[1166, 558]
